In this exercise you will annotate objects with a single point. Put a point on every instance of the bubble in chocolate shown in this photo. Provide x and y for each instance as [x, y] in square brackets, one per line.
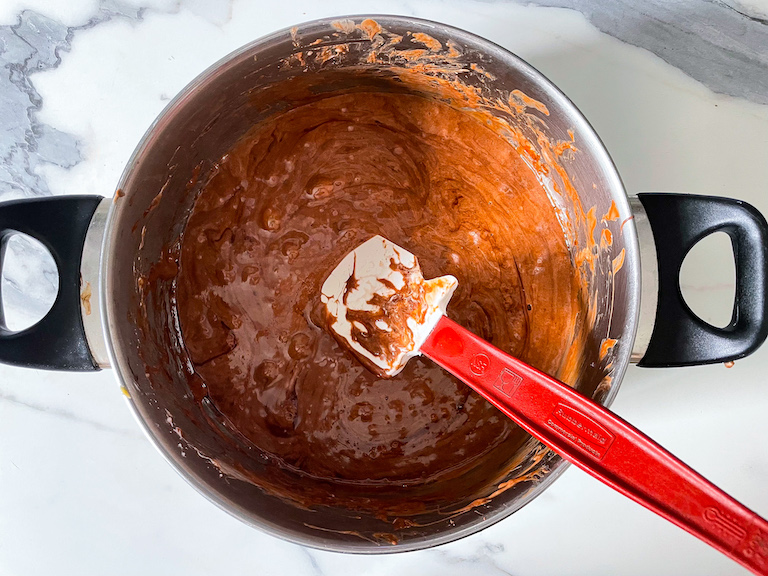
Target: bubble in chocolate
[282, 406]
[270, 219]
[300, 346]
[343, 224]
[266, 372]
[321, 191]
[320, 188]
[362, 411]
[291, 244]
[251, 275]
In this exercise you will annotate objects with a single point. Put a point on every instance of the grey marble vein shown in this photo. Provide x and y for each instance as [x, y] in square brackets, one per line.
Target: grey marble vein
[721, 44]
[486, 555]
[34, 44]
[316, 569]
[29, 46]
[11, 400]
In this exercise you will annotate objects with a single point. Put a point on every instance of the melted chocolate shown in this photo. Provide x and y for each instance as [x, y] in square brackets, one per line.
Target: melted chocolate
[279, 212]
[384, 331]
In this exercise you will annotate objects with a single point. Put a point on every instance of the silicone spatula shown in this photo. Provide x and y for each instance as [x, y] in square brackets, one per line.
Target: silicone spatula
[380, 307]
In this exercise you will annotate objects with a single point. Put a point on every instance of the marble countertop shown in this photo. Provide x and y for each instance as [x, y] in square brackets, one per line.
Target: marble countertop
[678, 92]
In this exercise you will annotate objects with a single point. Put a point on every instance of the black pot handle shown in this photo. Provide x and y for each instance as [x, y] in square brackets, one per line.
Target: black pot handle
[679, 221]
[58, 341]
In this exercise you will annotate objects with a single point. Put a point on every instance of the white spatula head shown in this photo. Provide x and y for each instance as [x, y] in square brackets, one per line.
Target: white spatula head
[380, 307]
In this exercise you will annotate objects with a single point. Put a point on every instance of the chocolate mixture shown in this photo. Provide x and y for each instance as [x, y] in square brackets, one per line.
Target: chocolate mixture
[288, 202]
[380, 307]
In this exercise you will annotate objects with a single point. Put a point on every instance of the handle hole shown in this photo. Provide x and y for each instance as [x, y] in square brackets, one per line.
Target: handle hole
[29, 282]
[708, 279]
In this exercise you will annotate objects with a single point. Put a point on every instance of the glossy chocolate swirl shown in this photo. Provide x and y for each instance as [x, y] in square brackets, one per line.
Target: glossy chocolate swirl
[283, 208]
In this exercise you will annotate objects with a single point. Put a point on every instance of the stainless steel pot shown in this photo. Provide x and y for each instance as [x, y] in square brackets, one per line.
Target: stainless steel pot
[104, 315]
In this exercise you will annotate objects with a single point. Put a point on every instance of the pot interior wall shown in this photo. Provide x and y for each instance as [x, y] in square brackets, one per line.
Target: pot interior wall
[199, 127]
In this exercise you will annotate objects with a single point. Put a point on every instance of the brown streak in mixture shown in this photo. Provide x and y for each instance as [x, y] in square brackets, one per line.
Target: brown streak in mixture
[370, 27]
[621, 228]
[428, 41]
[613, 212]
[521, 101]
[475, 68]
[606, 346]
[606, 239]
[618, 262]
[85, 298]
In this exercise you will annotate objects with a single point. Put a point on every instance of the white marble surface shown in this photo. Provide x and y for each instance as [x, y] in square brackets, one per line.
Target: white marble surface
[677, 92]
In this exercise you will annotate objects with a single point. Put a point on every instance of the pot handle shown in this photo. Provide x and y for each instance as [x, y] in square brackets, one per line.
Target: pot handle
[678, 222]
[58, 341]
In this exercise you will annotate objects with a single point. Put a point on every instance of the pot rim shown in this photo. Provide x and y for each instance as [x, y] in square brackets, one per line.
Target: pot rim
[600, 155]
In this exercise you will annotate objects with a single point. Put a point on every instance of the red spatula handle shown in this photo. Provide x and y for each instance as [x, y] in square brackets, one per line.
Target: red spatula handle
[603, 444]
